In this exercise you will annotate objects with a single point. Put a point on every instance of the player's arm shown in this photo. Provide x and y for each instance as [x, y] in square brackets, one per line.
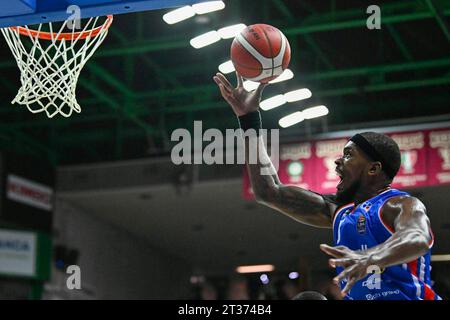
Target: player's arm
[412, 236]
[302, 205]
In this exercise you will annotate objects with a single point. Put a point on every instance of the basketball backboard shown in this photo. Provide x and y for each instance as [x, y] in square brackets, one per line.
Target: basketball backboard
[29, 12]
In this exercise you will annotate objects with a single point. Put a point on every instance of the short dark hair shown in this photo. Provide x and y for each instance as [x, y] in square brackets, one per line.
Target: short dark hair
[309, 295]
[386, 146]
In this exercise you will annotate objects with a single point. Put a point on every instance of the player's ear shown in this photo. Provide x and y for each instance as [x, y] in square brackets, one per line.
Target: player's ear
[375, 168]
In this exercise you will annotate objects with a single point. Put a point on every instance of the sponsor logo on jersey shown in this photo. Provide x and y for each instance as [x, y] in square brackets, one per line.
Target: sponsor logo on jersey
[361, 224]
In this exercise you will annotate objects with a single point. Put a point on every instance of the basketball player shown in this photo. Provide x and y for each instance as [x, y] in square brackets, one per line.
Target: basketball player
[377, 229]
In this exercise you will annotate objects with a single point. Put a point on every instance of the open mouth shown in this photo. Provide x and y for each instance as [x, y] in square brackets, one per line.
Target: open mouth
[339, 186]
[341, 181]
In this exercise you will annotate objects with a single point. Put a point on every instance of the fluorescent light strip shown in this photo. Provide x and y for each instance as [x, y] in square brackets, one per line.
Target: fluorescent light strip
[291, 96]
[440, 257]
[255, 268]
[187, 12]
[299, 116]
[207, 7]
[178, 15]
[273, 102]
[231, 31]
[315, 112]
[227, 67]
[291, 119]
[214, 36]
[205, 39]
[297, 95]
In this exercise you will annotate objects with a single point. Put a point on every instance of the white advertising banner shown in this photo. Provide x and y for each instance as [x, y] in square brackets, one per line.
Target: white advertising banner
[17, 253]
[28, 192]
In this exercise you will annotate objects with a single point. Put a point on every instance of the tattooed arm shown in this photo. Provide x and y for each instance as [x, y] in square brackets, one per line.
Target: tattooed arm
[302, 205]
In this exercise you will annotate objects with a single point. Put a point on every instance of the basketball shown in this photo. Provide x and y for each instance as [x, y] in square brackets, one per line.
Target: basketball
[260, 53]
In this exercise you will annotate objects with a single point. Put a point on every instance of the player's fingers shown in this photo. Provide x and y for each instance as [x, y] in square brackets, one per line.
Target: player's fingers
[341, 276]
[345, 274]
[240, 81]
[342, 248]
[261, 88]
[224, 81]
[225, 93]
[332, 251]
[220, 82]
[350, 283]
[345, 262]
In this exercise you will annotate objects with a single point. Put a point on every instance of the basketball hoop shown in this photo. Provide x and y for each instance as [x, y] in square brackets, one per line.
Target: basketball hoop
[50, 63]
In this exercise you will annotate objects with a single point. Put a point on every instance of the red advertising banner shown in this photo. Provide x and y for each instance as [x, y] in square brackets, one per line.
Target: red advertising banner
[297, 165]
[439, 156]
[413, 169]
[326, 152]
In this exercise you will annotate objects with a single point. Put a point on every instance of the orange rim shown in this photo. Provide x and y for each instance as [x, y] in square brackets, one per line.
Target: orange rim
[64, 36]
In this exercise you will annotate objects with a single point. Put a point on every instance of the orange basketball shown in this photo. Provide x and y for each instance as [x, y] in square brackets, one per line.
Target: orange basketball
[260, 53]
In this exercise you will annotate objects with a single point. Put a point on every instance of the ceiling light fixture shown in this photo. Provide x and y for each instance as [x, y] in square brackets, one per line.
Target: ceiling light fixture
[227, 67]
[179, 15]
[207, 7]
[440, 257]
[255, 268]
[297, 95]
[205, 39]
[315, 112]
[231, 31]
[291, 119]
[273, 102]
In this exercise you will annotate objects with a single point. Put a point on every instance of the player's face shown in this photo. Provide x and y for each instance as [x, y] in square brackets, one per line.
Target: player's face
[350, 168]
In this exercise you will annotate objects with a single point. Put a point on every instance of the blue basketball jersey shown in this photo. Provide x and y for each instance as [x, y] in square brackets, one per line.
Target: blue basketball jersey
[361, 228]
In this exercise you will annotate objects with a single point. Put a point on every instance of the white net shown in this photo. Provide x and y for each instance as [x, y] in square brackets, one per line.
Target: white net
[50, 63]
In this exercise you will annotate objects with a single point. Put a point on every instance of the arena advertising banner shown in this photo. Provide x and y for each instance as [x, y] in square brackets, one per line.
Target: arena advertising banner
[296, 164]
[25, 254]
[425, 161]
[438, 156]
[29, 192]
[17, 253]
[413, 169]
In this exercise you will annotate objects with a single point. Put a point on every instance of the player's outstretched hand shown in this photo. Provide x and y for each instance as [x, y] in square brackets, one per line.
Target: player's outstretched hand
[356, 264]
[241, 101]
